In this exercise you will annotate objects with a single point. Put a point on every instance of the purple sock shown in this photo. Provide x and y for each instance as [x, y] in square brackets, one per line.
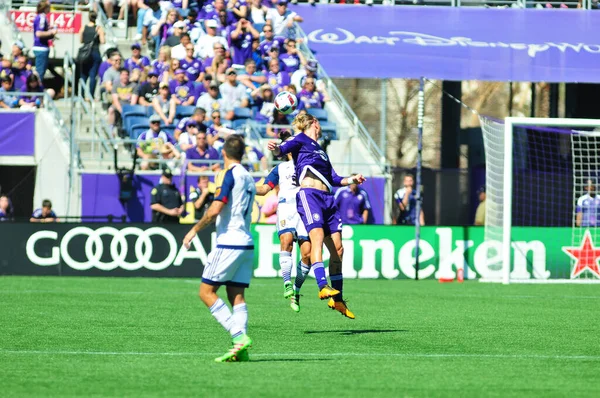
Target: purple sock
[337, 282]
[319, 271]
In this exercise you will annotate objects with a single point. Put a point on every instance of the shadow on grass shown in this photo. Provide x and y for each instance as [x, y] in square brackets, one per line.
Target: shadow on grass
[350, 332]
[290, 359]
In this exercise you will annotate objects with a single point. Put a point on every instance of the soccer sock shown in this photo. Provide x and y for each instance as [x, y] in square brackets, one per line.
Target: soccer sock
[223, 315]
[240, 316]
[337, 282]
[319, 271]
[286, 263]
[301, 272]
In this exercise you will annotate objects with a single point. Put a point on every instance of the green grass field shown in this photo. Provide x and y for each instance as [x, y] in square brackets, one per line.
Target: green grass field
[153, 337]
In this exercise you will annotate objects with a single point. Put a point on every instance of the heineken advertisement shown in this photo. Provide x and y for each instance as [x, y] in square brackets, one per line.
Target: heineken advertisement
[389, 252]
[370, 251]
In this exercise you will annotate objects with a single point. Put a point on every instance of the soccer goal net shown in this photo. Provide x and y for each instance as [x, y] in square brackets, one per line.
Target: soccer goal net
[542, 211]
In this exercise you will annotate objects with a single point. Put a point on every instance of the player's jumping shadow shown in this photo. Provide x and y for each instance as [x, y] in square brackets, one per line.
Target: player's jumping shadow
[350, 332]
[290, 359]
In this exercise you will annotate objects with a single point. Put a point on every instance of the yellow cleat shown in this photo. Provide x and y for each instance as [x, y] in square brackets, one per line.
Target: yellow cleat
[341, 307]
[327, 292]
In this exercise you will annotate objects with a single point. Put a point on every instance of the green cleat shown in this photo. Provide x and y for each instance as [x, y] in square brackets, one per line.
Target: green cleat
[295, 304]
[288, 290]
[240, 343]
[243, 356]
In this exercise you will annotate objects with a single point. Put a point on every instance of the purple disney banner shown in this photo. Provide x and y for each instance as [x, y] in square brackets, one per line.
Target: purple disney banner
[455, 43]
[17, 134]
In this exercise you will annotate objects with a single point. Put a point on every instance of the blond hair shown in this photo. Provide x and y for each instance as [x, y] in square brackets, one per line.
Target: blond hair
[303, 121]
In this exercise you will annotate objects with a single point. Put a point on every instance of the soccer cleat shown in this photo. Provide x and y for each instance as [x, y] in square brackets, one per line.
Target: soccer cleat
[240, 343]
[288, 290]
[295, 304]
[341, 307]
[327, 292]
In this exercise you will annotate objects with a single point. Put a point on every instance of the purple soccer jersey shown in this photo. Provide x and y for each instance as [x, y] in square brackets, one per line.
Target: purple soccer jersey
[291, 62]
[130, 64]
[309, 156]
[278, 81]
[310, 100]
[242, 48]
[351, 206]
[182, 91]
[159, 67]
[40, 24]
[192, 68]
[21, 76]
[209, 154]
[266, 45]
[209, 60]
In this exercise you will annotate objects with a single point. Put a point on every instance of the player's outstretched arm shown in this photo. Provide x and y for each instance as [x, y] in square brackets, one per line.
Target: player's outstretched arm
[262, 190]
[209, 217]
[357, 179]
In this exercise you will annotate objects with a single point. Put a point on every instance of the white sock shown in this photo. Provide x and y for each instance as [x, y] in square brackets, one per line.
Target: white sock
[223, 315]
[301, 271]
[285, 262]
[240, 316]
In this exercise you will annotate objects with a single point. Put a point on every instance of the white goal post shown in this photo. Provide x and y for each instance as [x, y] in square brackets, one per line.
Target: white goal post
[527, 162]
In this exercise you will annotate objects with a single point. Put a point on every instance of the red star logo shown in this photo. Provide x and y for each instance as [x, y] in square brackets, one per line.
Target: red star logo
[586, 256]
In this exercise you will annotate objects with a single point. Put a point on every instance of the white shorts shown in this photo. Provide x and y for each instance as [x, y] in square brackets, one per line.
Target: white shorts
[288, 220]
[229, 266]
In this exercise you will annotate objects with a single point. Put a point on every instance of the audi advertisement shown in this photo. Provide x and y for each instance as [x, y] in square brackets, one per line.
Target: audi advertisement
[102, 250]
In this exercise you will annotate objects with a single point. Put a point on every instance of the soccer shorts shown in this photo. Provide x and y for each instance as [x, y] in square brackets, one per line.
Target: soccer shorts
[288, 220]
[229, 266]
[317, 209]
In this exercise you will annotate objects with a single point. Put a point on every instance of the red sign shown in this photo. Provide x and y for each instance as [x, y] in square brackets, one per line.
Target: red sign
[66, 22]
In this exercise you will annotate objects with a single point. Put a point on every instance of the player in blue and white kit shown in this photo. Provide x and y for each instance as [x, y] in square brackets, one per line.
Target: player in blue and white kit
[588, 207]
[289, 226]
[315, 204]
[231, 263]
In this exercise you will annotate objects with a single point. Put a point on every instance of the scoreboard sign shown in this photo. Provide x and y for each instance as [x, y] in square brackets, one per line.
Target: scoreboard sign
[66, 22]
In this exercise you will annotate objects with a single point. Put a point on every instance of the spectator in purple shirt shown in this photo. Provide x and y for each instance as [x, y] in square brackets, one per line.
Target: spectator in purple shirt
[44, 214]
[192, 66]
[42, 34]
[226, 23]
[6, 70]
[239, 8]
[241, 42]
[202, 151]
[182, 90]
[277, 78]
[32, 85]
[251, 77]
[353, 204]
[309, 97]
[137, 61]
[293, 58]
[270, 40]
[198, 117]
[20, 73]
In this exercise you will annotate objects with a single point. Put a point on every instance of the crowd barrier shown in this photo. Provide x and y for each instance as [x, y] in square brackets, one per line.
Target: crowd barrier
[370, 251]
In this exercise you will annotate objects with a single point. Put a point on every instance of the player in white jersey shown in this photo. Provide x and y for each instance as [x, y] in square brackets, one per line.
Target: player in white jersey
[230, 264]
[289, 226]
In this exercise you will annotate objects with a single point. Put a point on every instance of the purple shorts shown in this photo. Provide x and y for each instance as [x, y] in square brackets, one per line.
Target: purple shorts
[317, 209]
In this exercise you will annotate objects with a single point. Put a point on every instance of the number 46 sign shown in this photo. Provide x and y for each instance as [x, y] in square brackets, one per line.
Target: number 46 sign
[66, 22]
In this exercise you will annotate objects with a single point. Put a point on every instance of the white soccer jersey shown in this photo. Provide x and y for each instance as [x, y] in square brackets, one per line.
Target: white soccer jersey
[235, 188]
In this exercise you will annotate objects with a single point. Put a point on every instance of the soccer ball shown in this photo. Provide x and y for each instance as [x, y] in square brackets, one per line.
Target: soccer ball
[286, 102]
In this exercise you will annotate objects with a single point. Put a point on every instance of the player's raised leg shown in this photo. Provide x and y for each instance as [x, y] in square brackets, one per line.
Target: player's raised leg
[336, 250]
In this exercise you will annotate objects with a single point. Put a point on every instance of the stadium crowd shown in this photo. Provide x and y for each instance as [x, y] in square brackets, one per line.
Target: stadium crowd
[210, 70]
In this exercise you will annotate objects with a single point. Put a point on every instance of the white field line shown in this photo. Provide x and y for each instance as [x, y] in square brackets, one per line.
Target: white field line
[312, 355]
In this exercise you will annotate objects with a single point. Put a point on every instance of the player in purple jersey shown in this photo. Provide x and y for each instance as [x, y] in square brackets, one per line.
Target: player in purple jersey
[315, 204]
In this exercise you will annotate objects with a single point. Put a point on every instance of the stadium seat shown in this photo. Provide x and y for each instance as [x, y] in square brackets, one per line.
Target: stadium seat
[320, 114]
[259, 27]
[239, 123]
[242, 113]
[134, 110]
[170, 130]
[150, 111]
[134, 120]
[136, 130]
[184, 111]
